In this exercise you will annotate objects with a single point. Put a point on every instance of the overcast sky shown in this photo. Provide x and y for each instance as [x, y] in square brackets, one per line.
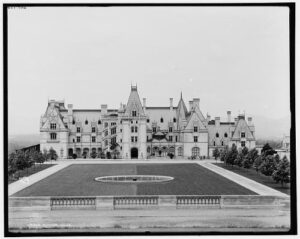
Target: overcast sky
[233, 58]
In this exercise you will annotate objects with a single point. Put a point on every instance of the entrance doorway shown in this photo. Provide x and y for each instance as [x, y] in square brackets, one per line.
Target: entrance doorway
[134, 153]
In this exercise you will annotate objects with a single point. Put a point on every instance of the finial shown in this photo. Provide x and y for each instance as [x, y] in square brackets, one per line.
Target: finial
[181, 95]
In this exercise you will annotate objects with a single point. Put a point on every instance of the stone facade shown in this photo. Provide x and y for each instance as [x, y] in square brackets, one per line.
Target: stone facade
[137, 131]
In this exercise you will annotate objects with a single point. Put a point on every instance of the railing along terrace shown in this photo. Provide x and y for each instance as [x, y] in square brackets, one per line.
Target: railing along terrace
[136, 201]
[69, 202]
[198, 200]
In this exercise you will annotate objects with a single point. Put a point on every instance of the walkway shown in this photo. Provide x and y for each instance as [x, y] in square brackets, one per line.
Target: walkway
[245, 182]
[27, 181]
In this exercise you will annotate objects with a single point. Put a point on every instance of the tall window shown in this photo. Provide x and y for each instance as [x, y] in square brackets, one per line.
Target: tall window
[180, 151]
[195, 139]
[113, 140]
[132, 139]
[195, 129]
[243, 143]
[154, 129]
[78, 139]
[222, 143]
[136, 138]
[170, 129]
[78, 129]
[214, 143]
[106, 133]
[176, 138]
[243, 135]
[52, 126]
[134, 113]
[53, 136]
[136, 129]
[170, 138]
[195, 151]
[93, 139]
[93, 129]
[113, 131]
[132, 129]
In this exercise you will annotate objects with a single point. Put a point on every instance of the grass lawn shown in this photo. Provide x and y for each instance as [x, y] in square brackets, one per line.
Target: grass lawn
[29, 171]
[189, 179]
[258, 177]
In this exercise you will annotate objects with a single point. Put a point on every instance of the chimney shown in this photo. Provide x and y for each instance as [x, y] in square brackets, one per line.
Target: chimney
[196, 102]
[171, 103]
[229, 116]
[235, 121]
[70, 109]
[144, 103]
[217, 121]
[207, 118]
[191, 105]
[250, 121]
[103, 109]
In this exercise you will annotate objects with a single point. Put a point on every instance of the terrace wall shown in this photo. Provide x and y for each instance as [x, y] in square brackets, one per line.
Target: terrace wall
[146, 202]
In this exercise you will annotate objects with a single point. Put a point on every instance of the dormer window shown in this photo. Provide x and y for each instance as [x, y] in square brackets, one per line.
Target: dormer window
[99, 121]
[225, 135]
[217, 135]
[148, 120]
[174, 120]
[52, 126]
[195, 129]
[133, 113]
[154, 129]
[161, 120]
[78, 129]
[93, 129]
[86, 122]
[170, 129]
[243, 135]
[73, 122]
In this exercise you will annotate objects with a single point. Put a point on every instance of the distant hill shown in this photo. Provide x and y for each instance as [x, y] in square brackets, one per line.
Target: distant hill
[23, 140]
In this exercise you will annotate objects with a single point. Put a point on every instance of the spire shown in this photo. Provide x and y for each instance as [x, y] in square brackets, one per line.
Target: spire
[181, 95]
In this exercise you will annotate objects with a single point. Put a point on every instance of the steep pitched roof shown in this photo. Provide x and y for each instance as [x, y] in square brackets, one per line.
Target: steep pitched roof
[242, 126]
[134, 102]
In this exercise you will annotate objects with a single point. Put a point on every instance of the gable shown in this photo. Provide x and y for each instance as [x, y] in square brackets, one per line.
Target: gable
[53, 116]
[195, 120]
[134, 103]
[242, 126]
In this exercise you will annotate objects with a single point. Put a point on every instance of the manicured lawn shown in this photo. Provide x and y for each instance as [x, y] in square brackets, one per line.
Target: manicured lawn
[29, 171]
[189, 179]
[258, 177]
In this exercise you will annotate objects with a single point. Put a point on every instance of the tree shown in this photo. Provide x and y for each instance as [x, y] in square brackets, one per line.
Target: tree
[268, 165]
[224, 154]
[232, 155]
[216, 153]
[52, 154]
[239, 159]
[246, 163]
[282, 172]
[257, 162]
[11, 164]
[268, 150]
[252, 155]
[108, 155]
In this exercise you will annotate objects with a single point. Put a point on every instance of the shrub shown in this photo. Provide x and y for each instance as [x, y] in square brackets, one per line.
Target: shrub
[282, 172]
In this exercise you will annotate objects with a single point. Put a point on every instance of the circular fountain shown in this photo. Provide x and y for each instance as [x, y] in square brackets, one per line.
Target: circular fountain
[134, 179]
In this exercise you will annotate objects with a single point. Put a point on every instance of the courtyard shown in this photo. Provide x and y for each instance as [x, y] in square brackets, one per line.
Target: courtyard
[79, 180]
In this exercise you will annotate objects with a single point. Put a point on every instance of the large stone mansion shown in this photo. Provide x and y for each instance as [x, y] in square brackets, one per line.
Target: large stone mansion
[138, 131]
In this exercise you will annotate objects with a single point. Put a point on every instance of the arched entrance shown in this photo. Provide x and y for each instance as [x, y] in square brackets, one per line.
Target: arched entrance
[134, 153]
